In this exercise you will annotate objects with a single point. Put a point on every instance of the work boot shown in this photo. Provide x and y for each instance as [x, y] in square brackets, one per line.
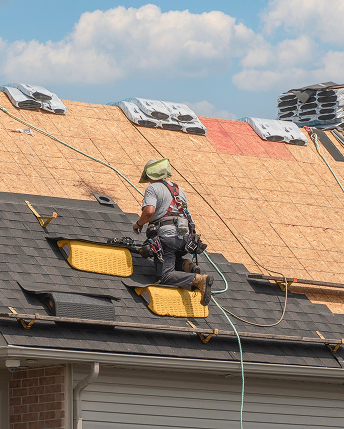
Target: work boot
[203, 283]
[190, 267]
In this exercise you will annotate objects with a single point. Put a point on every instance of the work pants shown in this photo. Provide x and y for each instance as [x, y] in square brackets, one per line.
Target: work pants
[170, 271]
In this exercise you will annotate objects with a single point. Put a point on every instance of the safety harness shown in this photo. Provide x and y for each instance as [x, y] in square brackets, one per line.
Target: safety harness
[193, 243]
[174, 190]
[152, 246]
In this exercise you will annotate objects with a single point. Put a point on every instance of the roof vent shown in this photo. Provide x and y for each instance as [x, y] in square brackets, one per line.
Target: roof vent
[105, 200]
[79, 306]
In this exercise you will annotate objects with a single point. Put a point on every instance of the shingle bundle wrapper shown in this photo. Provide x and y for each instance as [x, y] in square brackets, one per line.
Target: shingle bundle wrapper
[321, 104]
[277, 131]
[25, 96]
[161, 114]
[21, 100]
[134, 114]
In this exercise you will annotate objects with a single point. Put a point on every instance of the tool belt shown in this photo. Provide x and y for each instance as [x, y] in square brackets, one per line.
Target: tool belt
[170, 220]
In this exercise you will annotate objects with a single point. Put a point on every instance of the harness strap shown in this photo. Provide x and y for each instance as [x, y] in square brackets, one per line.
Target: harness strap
[174, 190]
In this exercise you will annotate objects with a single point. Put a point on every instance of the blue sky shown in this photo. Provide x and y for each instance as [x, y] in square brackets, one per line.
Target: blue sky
[225, 58]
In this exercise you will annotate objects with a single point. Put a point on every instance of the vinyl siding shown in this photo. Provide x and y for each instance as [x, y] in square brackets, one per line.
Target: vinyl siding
[141, 399]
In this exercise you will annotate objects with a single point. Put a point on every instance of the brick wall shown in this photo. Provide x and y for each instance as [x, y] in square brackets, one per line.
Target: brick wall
[37, 398]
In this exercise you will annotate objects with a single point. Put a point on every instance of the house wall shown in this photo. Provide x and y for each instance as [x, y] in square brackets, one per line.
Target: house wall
[37, 398]
[134, 398]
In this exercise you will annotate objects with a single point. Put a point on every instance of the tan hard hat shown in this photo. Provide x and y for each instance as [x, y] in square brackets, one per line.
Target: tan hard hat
[156, 170]
[144, 177]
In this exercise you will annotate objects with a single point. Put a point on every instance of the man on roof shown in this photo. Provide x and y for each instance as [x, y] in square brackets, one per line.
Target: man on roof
[164, 208]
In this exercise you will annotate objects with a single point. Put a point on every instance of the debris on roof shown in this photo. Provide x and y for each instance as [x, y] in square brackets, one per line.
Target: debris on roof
[320, 105]
[31, 97]
[161, 114]
[23, 130]
[277, 131]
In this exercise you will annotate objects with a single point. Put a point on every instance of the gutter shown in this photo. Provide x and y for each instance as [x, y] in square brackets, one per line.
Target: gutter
[331, 375]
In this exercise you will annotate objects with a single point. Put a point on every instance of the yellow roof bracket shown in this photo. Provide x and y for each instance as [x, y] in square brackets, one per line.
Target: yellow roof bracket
[43, 220]
[332, 349]
[282, 284]
[202, 337]
[206, 339]
[335, 348]
[25, 325]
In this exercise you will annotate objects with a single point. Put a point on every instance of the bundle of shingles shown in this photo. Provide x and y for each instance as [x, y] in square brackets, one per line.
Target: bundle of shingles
[30, 97]
[321, 104]
[162, 114]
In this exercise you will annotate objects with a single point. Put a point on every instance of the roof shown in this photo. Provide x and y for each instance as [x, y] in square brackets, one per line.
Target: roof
[281, 201]
[30, 261]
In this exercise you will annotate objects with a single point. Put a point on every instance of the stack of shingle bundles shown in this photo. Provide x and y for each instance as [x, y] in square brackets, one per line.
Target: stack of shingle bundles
[321, 104]
[274, 130]
[287, 107]
[162, 114]
[25, 96]
[331, 104]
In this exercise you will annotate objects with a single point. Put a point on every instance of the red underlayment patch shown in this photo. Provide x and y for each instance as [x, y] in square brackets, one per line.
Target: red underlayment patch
[238, 138]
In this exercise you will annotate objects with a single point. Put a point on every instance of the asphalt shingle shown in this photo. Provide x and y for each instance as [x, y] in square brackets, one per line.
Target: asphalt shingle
[36, 263]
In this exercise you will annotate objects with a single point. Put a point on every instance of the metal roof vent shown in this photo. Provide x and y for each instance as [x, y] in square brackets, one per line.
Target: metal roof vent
[79, 306]
[105, 200]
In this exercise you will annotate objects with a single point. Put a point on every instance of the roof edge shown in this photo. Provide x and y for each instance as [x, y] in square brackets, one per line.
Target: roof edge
[47, 356]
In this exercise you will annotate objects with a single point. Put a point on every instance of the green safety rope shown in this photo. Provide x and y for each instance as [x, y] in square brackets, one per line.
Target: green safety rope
[241, 360]
[71, 147]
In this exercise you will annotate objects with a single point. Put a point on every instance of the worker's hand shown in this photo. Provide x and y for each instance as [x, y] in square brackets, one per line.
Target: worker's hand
[137, 228]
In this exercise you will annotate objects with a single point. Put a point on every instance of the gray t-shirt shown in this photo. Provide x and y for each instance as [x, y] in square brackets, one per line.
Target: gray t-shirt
[158, 195]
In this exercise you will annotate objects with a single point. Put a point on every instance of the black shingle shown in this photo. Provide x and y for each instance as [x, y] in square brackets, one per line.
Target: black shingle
[26, 256]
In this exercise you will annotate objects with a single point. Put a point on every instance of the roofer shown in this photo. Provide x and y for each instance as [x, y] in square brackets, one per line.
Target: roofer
[170, 225]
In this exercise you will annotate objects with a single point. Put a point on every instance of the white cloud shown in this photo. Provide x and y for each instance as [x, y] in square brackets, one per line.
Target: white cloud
[298, 61]
[290, 63]
[204, 108]
[321, 19]
[120, 42]
[144, 42]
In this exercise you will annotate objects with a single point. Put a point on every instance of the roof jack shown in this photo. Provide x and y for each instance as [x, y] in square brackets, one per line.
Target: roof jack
[43, 220]
[77, 410]
[333, 350]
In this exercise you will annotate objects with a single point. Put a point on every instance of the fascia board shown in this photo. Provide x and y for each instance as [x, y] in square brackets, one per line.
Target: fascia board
[228, 368]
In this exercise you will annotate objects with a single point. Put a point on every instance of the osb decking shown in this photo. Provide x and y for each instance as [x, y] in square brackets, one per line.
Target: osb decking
[280, 200]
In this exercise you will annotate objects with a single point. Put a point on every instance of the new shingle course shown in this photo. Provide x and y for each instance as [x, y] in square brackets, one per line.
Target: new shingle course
[31, 259]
